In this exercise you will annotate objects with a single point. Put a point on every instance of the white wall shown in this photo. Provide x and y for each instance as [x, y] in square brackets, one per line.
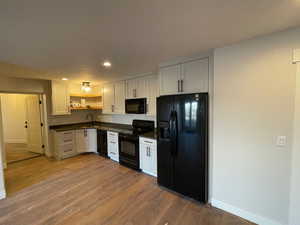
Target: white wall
[79, 116]
[2, 187]
[16, 85]
[14, 117]
[254, 84]
[123, 119]
[295, 178]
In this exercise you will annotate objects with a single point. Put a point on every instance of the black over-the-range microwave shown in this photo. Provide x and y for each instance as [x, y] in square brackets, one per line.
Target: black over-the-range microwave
[136, 106]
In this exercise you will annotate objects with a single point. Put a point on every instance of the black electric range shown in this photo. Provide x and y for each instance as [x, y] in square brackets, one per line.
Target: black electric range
[129, 143]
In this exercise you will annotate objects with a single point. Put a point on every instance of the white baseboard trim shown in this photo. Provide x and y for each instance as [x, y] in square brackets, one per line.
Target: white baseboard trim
[243, 213]
[2, 194]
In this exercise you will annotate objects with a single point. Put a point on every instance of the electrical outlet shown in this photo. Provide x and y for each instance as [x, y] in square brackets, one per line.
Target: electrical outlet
[281, 141]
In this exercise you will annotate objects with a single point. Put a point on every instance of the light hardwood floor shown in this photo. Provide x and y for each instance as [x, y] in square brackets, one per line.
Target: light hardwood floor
[15, 152]
[91, 190]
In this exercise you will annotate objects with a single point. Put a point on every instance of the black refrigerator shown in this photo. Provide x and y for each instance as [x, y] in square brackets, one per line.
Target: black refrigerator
[182, 142]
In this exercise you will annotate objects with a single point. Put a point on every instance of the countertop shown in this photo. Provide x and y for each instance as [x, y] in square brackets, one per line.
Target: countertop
[93, 125]
[151, 135]
[101, 126]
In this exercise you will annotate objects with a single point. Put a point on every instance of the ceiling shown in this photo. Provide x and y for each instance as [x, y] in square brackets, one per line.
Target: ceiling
[71, 38]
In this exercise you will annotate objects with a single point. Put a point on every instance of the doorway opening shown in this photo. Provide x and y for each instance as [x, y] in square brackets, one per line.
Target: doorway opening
[24, 139]
[22, 127]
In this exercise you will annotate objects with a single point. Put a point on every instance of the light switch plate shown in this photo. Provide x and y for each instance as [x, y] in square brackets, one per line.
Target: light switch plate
[281, 141]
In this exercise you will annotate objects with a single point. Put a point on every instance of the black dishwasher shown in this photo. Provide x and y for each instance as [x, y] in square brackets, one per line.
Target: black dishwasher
[102, 142]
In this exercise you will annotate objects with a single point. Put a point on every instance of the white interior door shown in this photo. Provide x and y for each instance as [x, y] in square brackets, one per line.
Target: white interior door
[14, 115]
[34, 129]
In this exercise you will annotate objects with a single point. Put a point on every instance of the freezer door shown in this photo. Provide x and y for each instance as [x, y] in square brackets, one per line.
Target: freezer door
[190, 158]
[165, 162]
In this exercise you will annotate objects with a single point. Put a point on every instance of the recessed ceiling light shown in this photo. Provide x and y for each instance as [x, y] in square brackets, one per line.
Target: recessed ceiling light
[107, 64]
[64, 78]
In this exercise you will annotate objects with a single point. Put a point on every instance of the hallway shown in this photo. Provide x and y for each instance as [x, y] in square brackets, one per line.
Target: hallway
[15, 152]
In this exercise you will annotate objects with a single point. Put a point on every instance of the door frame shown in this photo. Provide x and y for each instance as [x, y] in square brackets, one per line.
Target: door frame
[44, 120]
[45, 135]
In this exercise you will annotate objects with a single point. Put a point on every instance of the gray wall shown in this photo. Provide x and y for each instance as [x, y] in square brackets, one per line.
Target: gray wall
[254, 91]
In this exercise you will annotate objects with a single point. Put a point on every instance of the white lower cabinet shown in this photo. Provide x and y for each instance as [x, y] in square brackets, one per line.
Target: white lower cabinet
[148, 156]
[64, 144]
[73, 142]
[113, 145]
[86, 140]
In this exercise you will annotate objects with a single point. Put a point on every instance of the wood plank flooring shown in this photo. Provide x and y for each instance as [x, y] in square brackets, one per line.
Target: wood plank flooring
[91, 190]
[15, 152]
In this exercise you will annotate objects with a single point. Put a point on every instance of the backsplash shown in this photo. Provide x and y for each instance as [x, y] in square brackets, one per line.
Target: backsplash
[75, 117]
[123, 119]
[81, 117]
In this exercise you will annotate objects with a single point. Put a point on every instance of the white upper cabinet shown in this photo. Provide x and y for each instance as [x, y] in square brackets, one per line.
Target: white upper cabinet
[169, 79]
[114, 98]
[151, 84]
[136, 88]
[60, 98]
[119, 106]
[114, 94]
[131, 88]
[187, 77]
[194, 76]
[144, 87]
[108, 98]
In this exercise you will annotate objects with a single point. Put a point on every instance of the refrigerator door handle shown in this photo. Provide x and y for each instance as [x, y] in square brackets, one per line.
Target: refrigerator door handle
[175, 127]
[170, 124]
[171, 127]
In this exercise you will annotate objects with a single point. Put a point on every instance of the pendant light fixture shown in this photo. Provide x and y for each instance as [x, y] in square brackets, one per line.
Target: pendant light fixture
[86, 86]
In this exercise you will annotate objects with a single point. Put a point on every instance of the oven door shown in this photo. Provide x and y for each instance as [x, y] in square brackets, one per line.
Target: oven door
[135, 106]
[129, 151]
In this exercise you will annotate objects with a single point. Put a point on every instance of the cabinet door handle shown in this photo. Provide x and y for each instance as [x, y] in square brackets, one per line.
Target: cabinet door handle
[181, 85]
[134, 93]
[178, 86]
[68, 150]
